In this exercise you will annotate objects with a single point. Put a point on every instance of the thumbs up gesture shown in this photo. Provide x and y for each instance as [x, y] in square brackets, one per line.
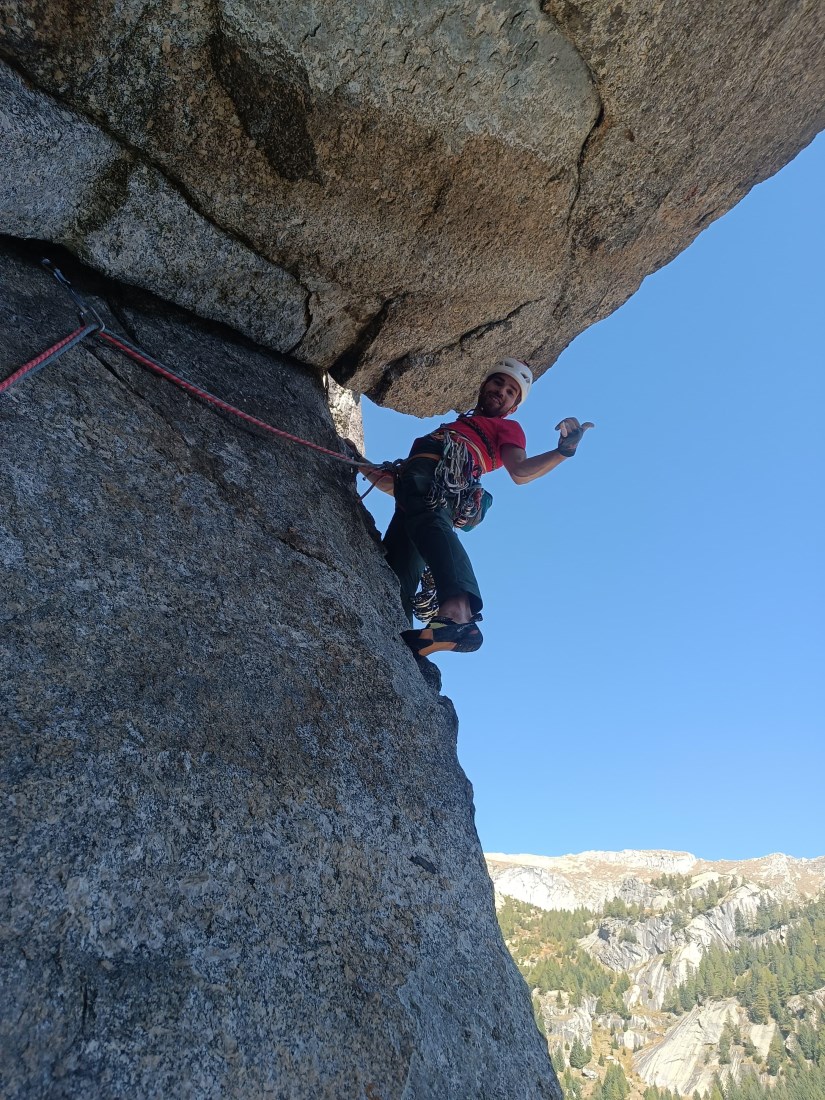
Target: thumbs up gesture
[570, 434]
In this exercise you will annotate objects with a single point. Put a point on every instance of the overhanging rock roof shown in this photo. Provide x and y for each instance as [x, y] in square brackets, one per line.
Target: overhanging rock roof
[397, 193]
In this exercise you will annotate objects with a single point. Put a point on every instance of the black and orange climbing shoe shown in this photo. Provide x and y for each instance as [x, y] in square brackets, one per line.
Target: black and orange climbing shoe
[443, 636]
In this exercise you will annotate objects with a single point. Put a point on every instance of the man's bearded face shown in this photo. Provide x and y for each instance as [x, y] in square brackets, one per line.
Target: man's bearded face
[499, 395]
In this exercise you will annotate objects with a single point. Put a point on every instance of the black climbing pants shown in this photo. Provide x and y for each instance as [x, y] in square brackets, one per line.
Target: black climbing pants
[420, 535]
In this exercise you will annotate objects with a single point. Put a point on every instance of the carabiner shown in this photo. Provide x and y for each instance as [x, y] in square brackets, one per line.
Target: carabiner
[85, 311]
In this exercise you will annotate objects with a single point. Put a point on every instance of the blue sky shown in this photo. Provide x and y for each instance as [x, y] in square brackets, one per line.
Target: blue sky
[652, 673]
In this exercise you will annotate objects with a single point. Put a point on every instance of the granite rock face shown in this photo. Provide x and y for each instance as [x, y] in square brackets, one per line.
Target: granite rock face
[238, 849]
[395, 192]
[685, 1058]
[564, 1022]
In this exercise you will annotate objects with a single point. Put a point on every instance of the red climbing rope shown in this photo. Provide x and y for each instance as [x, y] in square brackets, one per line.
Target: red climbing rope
[158, 368]
[147, 361]
[49, 355]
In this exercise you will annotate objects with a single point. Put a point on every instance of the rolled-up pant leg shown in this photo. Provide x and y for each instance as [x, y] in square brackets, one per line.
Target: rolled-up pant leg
[419, 535]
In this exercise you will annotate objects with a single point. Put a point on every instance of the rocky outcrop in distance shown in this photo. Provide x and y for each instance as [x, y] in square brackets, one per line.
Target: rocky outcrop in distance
[396, 193]
[591, 879]
[658, 947]
[653, 978]
[238, 853]
[685, 1059]
[563, 1022]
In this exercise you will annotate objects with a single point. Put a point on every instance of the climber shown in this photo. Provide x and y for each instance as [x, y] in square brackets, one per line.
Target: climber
[437, 489]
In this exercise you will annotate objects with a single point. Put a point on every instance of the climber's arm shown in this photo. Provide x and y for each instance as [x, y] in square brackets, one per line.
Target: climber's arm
[523, 469]
[380, 478]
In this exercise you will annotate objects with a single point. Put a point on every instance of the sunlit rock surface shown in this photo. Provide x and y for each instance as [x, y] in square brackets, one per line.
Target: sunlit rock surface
[398, 193]
[686, 1060]
[238, 850]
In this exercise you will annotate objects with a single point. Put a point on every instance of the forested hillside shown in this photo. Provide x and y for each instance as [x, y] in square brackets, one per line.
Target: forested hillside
[704, 988]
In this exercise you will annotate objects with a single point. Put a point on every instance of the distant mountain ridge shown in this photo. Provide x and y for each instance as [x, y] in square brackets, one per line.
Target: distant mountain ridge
[590, 879]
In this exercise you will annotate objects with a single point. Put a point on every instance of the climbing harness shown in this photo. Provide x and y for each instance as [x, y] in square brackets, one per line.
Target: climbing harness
[92, 325]
[456, 485]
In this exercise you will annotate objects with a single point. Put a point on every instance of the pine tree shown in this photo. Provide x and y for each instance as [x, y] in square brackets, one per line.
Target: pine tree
[572, 1087]
[579, 1055]
[678, 920]
[724, 1049]
[615, 1085]
[760, 1008]
[808, 1041]
[776, 1053]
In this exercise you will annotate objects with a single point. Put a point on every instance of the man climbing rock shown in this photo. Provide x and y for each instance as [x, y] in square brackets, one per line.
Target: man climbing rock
[438, 490]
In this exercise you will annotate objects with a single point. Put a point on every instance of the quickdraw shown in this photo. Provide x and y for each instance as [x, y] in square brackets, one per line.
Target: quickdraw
[455, 484]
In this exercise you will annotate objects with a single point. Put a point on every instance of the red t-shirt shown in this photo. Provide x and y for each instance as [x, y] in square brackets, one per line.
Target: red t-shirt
[498, 431]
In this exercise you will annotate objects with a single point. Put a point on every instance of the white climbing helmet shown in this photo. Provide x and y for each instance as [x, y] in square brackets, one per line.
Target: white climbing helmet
[515, 369]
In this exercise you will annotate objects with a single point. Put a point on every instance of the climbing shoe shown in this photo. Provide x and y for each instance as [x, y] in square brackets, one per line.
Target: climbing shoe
[442, 636]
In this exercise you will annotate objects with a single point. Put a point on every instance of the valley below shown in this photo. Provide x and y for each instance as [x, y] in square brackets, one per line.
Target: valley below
[659, 976]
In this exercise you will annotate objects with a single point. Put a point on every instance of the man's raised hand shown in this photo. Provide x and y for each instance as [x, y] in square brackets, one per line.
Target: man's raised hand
[571, 432]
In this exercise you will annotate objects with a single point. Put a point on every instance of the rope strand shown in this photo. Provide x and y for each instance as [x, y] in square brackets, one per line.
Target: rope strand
[145, 360]
[74, 338]
[48, 356]
[190, 387]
